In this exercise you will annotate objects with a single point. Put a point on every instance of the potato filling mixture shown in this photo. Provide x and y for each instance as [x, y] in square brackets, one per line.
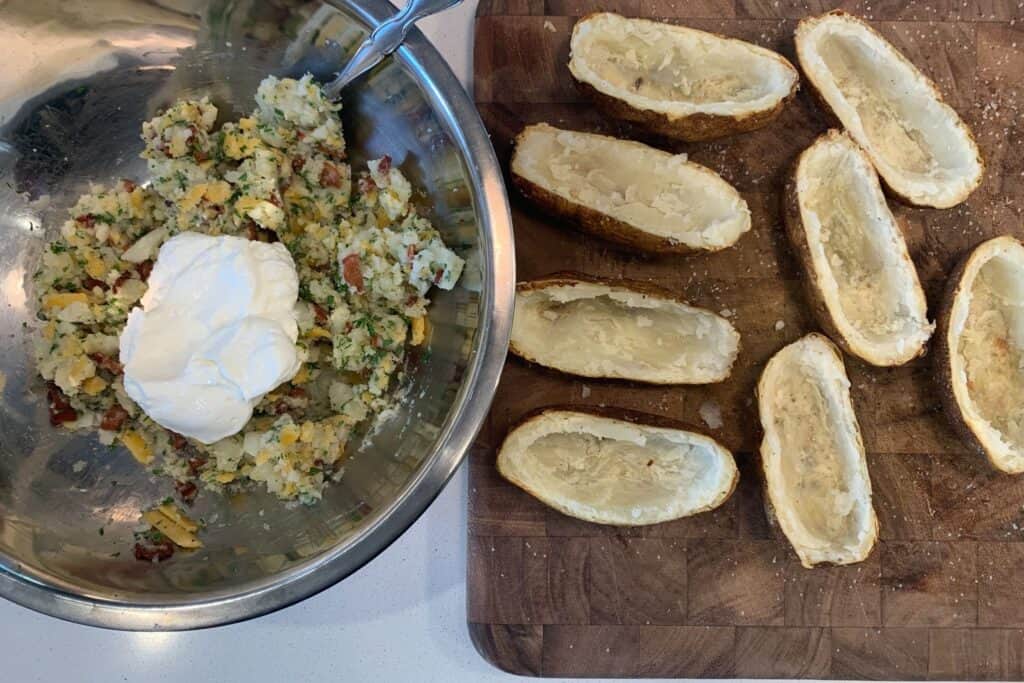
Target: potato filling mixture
[365, 260]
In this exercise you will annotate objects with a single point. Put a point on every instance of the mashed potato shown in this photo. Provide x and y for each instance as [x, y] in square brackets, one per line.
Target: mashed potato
[366, 262]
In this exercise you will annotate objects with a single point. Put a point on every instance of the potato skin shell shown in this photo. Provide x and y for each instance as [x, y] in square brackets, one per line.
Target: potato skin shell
[835, 122]
[626, 415]
[815, 296]
[567, 278]
[692, 128]
[769, 507]
[944, 368]
[600, 224]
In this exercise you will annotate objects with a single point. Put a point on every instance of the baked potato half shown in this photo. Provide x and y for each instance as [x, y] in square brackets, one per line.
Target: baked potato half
[620, 329]
[858, 274]
[617, 467]
[815, 469]
[924, 152]
[980, 352]
[678, 81]
[626, 192]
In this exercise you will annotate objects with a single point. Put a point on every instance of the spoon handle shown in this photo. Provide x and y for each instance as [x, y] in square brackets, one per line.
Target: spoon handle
[384, 40]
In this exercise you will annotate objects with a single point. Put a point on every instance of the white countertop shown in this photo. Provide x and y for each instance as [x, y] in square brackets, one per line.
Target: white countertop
[400, 618]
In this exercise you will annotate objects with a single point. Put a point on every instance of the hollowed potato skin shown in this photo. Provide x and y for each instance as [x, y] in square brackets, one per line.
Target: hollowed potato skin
[835, 122]
[692, 128]
[943, 367]
[762, 473]
[566, 278]
[798, 239]
[601, 224]
[626, 415]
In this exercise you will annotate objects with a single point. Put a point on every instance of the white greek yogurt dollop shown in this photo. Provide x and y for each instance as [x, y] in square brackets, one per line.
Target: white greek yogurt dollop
[216, 331]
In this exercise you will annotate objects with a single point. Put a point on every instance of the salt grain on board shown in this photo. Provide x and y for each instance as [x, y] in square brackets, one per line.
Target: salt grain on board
[711, 413]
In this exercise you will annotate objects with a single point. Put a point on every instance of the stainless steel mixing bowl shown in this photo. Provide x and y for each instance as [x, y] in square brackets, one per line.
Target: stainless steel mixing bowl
[78, 80]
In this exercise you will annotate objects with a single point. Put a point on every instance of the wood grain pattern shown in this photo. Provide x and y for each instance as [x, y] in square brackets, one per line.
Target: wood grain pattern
[722, 594]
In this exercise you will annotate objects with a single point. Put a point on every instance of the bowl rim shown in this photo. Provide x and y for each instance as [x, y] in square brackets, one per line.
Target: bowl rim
[461, 121]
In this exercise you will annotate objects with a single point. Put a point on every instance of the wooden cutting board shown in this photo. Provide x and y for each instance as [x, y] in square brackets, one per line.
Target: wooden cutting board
[722, 594]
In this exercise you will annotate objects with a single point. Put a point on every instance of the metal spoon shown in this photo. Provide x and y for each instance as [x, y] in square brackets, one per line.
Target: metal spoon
[384, 40]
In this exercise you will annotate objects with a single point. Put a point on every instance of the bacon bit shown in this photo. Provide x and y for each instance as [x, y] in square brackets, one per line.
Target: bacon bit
[86, 219]
[366, 185]
[385, 164]
[297, 164]
[195, 465]
[121, 279]
[91, 283]
[299, 134]
[159, 551]
[331, 153]
[177, 440]
[128, 185]
[144, 269]
[107, 363]
[329, 176]
[438, 275]
[352, 271]
[298, 392]
[200, 155]
[320, 313]
[187, 490]
[275, 200]
[375, 341]
[114, 418]
[257, 234]
[60, 409]
[410, 252]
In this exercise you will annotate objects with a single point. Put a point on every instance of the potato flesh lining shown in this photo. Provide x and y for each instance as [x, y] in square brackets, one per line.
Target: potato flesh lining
[901, 122]
[675, 68]
[816, 463]
[873, 285]
[612, 473]
[581, 331]
[992, 346]
[655, 192]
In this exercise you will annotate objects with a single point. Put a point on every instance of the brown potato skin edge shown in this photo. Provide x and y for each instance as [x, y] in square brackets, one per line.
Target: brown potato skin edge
[769, 507]
[597, 223]
[944, 369]
[815, 297]
[835, 122]
[563, 278]
[691, 128]
[626, 415]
